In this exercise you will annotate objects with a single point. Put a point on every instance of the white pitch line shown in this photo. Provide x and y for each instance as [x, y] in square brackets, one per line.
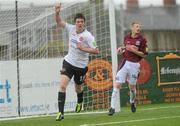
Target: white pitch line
[154, 108]
[83, 113]
[47, 115]
[130, 121]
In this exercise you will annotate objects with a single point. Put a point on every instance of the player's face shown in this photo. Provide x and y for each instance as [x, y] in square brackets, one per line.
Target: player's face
[136, 28]
[79, 24]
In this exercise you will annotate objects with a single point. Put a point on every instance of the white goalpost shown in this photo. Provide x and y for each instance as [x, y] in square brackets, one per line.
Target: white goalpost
[31, 88]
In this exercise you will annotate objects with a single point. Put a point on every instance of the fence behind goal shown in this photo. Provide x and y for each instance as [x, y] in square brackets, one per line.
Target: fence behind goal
[32, 48]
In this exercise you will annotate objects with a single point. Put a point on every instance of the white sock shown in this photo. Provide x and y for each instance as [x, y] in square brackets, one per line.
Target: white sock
[114, 97]
[132, 96]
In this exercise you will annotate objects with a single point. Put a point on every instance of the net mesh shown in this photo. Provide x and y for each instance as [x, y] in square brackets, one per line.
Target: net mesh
[39, 38]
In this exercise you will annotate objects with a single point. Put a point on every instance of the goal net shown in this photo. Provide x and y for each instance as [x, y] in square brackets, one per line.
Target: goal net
[32, 48]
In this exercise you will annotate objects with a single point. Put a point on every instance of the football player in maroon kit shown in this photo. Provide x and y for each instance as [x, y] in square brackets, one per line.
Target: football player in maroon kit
[134, 49]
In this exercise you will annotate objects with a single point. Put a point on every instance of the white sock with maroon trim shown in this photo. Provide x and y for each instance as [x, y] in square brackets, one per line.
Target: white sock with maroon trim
[132, 96]
[114, 97]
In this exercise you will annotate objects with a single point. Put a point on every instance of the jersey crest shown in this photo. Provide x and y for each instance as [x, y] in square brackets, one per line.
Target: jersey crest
[81, 39]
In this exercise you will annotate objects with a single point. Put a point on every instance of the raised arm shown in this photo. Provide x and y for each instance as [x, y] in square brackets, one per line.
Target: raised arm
[60, 22]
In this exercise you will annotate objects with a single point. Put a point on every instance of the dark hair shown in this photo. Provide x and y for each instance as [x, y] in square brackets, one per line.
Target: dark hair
[79, 15]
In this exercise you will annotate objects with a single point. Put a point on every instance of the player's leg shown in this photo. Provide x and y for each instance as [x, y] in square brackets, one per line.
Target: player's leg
[114, 97]
[132, 80]
[133, 97]
[79, 92]
[65, 77]
[62, 96]
[120, 79]
[79, 77]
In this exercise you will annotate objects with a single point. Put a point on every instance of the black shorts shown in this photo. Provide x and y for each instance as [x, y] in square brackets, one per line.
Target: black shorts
[70, 71]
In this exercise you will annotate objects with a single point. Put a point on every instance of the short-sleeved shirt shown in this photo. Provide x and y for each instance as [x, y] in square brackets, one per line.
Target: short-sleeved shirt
[75, 56]
[140, 42]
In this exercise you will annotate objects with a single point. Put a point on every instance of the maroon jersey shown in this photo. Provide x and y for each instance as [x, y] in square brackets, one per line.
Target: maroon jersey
[140, 42]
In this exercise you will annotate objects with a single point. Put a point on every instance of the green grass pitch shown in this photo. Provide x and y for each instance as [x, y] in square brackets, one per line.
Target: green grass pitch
[146, 115]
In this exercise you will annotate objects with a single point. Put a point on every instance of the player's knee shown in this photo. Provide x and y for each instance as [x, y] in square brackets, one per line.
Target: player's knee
[62, 88]
[78, 88]
[132, 87]
[117, 85]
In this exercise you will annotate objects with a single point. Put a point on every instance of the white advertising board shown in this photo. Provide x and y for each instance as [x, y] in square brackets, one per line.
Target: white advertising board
[8, 89]
[40, 81]
[39, 86]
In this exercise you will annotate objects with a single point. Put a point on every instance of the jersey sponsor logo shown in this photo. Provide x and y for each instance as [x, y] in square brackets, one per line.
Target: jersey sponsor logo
[73, 40]
[138, 43]
[128, 42]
